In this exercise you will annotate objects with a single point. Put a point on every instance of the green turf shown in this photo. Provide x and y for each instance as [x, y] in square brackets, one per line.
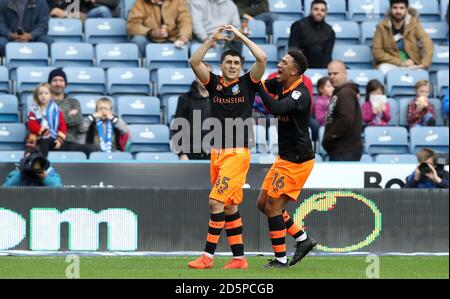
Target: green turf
[176, 268]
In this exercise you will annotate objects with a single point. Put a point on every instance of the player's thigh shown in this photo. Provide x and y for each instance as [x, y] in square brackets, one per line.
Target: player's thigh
[262, 198]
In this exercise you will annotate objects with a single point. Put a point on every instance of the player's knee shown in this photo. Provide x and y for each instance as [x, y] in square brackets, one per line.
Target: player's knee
[215, 206]
[230, 209]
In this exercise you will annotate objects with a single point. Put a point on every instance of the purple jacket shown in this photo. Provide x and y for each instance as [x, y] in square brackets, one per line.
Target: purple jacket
[321, 108]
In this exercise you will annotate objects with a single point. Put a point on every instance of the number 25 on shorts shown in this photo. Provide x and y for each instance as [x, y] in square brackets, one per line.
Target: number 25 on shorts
[222, 187]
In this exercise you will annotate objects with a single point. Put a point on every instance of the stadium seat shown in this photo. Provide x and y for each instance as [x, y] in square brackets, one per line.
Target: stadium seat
[10, 156]
[396, 159]
[386, 140]
[85, 80]
[438, 32]
[402, 82]
[70, 157]
[165, 55]
[113, 156]
[281, 30]
[367, 32]
[9, 108]
[257, 32]
[72, 55]
[102, 30]
[315, 75]
[156, 157]
[117, 55]
[362, 77]
[66, 30]
[318, 158]
[403, 111]
[260, 140]
[440, 58]
[126, 6]
[149, 138]
[271, 52]
[273, 139]
[320, 149]
[354, 56]
[438, 110]
[337, 10]
[212, 56]
[4, 80]
[365, 158]
[286, 9]
[28, 78]
[428, 10]
[393, 104]
[172, 103]
[442, 83]
[25, 54]
[128, 81]
[435, 138]
[366, 10]
[444, 9]
[262, 158]
[12, 136]
[347, 32]
[139, 110]
[173, 81]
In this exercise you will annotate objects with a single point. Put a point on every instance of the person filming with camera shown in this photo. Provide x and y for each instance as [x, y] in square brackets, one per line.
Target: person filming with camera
[429, 173]
[33, 170]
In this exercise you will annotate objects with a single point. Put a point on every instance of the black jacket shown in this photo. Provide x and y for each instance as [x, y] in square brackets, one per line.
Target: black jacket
[316, 40]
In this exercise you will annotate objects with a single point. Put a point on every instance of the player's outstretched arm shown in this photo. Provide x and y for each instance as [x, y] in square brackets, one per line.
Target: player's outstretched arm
[258, 69]
[279, 107]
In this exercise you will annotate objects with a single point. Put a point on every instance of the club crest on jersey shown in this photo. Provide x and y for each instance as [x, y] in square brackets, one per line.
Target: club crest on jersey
[219, 87]
[235, 90]
[296, 95]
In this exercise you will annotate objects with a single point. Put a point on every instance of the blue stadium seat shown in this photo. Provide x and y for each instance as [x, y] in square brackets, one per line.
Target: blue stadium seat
[113, 156]
[315, 75]
[72, 55]
[257, 32]
[4, 80]
[139, 110]
[212, 56]
[12, 136]
[443, 9]
[438, 31]
[273, 140]
[365, 158]
[87, 102]
[286, 9]
[260, 140]
[347, 32]
[128, 81]
[386, 140]
[438, 110]
[337, 10]
[9, 108]
[354, 56]
[28, 78]
[171, 109]
[435, 138]
[25, 54]
[156, 157]
[11, 156]
[396, 159]
[393, 104]
[126, 6]
[100, 30]
[64, 157]
[149, 138]
[318, 158]
[362, 77]
[165, 55]
[440, 58]
[271, 52]
[262, 158]
[442, 83]
[367, 32]
[117, 55]
[428, 10]
[403, 111]
[366, 10]
[65, 30]
[85, 80]
[173, 81]
[402, 82]
[281, 30]
[320, 149]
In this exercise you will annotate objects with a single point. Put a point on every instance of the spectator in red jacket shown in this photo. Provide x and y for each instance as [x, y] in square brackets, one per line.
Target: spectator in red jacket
[46, 122]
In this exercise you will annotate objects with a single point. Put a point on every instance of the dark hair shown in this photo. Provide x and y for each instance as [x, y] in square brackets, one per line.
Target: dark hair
[373, 85]
[319, 2]
[300, 61]
[321, 83]
[392, 2]
[232, 53]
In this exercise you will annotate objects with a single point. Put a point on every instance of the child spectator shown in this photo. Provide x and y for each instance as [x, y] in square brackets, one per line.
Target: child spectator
[106, 130]
[376, 110]
[325, 90]
[420, 111]
[46, 122]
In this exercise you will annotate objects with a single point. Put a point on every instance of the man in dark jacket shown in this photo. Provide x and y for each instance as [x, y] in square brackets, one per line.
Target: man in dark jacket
[313, 36]
[195, 103]
[342, 137]
[23, 21]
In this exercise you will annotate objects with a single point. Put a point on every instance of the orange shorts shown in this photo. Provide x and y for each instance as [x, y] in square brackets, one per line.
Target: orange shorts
[228, 173]
[288, 178]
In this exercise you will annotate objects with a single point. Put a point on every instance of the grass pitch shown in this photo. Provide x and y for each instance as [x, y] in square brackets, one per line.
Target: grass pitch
[176, 268]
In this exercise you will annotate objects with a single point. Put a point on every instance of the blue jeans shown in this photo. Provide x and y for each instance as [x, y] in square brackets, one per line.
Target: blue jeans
[141, 41]
[99, 12]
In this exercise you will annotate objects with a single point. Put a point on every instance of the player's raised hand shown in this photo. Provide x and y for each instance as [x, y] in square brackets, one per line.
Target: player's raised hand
[219, 34]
